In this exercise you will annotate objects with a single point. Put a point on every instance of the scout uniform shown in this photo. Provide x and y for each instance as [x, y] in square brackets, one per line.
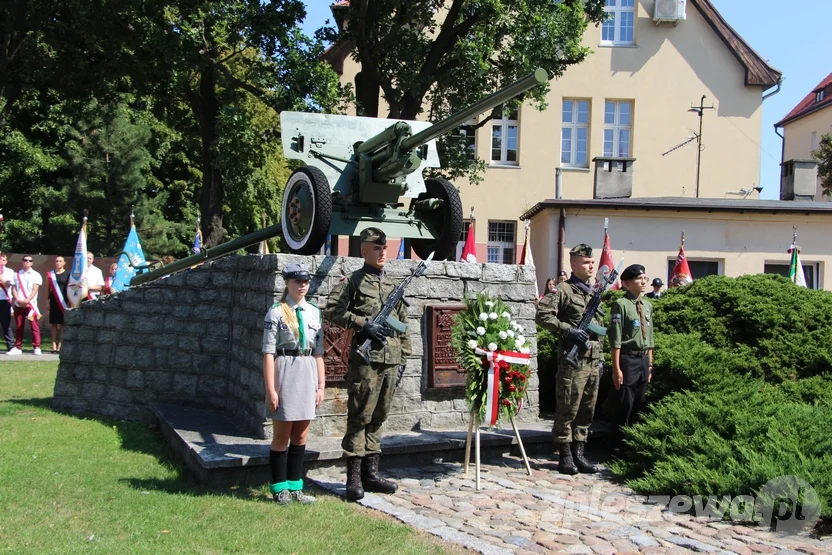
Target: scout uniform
[576, 388]
[296, 379]
[351, 305]
[631, 331]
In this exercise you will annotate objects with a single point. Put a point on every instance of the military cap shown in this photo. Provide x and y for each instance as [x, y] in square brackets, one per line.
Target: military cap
[581, 250]
[657, 282]
[562, 273]
[373, 235]
[632, 271]
[295, 270]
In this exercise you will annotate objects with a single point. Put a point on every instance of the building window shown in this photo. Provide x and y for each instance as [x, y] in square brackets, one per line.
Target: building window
[698, 268]
[811, 272]
[619, 26]
[819, 96]
[466, 134]
[504, 136]
[501, 242]
[814, 140]
[466, 226]
[574, 134]
[618, 128]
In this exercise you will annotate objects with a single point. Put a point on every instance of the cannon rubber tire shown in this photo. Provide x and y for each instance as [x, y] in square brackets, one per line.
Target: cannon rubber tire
[450, 225]
[312, 183]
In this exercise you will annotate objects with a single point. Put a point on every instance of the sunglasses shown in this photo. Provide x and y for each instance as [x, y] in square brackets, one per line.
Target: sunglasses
[27, 260]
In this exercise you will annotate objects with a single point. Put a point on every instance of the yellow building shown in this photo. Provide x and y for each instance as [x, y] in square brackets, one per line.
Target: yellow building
[803, 129]
[630, 99]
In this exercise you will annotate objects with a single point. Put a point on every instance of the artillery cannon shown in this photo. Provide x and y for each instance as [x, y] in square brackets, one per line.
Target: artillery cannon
[351, 182]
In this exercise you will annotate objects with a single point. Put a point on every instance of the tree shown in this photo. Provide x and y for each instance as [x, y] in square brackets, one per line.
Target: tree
[442, 55]
[823, 154]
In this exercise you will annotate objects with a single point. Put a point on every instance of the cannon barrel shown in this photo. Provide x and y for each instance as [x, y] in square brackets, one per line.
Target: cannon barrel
[208, 254]
[538, 77]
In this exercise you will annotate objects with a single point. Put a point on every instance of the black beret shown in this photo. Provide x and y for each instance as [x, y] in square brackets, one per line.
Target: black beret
[632, 271]
[295, 270]
[658, 282]
[373, 235]
[561, 273]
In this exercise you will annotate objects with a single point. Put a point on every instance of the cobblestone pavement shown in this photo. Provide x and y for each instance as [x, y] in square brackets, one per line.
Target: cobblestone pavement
[552, 513]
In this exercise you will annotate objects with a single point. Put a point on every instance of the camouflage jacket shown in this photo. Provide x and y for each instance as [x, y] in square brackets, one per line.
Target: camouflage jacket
[359, 297]
[561, 310]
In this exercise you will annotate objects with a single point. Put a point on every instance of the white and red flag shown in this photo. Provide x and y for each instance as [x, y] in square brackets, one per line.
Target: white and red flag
[681, 271]
[526, 258]
[469, 252]
[76, 288]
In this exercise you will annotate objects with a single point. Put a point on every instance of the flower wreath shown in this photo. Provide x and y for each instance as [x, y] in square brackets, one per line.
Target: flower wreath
[489, 344]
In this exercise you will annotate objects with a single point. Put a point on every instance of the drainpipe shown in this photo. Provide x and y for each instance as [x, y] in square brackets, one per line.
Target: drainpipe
[775, 91]
[558, 183]
[561, 238]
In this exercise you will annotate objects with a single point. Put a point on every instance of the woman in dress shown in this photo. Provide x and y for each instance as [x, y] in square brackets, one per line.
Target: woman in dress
[58, 279]
[293, 372]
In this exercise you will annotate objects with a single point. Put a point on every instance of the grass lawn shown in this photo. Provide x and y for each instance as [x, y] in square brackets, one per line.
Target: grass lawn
[71, 485]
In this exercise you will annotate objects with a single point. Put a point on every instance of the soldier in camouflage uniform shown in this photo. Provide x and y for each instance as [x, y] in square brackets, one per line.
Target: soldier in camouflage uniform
[352, 304]
[576, 388]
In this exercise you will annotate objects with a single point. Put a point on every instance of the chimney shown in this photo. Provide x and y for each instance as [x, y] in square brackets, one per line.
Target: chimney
[798, 179]
[613, 177]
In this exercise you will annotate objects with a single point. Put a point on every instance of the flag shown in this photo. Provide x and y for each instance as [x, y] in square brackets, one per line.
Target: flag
[76, 287]
[526, 258]
[400, 256]
[796, 268]
[469, 252]
[133, 254]
[605, 264]
[681, 272]
[197, 239]
[262, 249]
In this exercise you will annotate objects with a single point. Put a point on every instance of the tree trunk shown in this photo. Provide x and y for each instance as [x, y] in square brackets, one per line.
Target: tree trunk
[366, 95]
[206, 108]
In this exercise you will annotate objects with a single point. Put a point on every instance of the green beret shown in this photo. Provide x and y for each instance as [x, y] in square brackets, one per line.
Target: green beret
[581, 250]
[632, 272]
[373, 235]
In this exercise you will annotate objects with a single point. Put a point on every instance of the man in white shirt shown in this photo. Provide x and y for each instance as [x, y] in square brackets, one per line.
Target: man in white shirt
[6, 279]
[25, 302]
[95, 278]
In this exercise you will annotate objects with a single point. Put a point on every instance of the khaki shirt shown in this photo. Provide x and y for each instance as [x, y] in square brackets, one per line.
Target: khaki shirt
[359, 297]
[278, 335]
[562, 309]
[627, 330]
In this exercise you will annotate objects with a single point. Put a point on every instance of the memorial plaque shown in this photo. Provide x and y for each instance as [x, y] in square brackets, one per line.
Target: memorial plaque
[443, 369]
[337, 341]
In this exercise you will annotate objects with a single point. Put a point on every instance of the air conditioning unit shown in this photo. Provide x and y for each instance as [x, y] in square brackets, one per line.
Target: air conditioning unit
[672, 11]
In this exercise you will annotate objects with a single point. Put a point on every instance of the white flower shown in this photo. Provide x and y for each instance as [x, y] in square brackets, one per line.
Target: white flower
[525, 350]
[492, 315]
[483, 316]
[510, 333]
[515, 325]
[472, 344]
[518, 342]
[521, 338]
[480, 330]
[492, 346]
[519, 328]
[503, 335]
[506, 315]
[489, 304]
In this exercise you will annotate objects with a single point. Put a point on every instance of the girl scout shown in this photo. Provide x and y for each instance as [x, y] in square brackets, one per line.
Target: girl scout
[293, 370]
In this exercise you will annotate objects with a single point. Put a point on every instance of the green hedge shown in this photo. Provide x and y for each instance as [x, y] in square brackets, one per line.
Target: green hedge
[741, 394]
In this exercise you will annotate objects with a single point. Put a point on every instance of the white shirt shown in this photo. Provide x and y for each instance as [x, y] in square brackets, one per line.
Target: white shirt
[30, 279]
[7, 277]
[94, 277]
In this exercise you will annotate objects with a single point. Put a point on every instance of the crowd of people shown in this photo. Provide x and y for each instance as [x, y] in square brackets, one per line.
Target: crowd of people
[19, 300]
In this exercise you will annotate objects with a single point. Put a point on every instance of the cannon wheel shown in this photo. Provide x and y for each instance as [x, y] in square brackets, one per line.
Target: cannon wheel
[306, 211]
[447, 219]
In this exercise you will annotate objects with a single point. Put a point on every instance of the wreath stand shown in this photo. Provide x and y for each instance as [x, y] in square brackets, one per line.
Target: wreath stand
[474, 423]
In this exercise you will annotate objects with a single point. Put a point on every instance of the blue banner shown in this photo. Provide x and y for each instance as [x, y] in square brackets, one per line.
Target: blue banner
[125, 272]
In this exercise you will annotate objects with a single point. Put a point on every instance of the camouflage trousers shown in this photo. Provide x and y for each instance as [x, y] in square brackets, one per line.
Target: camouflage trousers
[370, 389]
[577, 391]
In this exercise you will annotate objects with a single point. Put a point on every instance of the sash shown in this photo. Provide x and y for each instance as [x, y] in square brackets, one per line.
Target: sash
[34, 313]
[108, 286]
[56, 290]
[492, 403]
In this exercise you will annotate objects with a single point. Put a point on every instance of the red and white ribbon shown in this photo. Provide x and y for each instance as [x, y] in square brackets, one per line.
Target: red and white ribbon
[108, 286]
[21, 287]
[56, 291]
[492, 398]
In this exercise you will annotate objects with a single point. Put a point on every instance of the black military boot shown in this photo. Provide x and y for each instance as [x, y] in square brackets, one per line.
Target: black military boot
[565, 464]
[370, 477]
[584, 466]
[354, 489]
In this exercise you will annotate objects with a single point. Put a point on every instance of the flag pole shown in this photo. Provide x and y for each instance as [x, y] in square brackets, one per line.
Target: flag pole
[683, 237]
[131, 215]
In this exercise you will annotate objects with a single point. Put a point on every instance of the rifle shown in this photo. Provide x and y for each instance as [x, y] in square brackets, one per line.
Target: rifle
[385, 315]
[586, 323]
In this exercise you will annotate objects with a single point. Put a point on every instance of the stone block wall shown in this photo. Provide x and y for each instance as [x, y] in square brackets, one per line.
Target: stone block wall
[194, 338]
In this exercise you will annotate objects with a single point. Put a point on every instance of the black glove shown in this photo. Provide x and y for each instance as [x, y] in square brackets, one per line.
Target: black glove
[578, 336]
[376, 332]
